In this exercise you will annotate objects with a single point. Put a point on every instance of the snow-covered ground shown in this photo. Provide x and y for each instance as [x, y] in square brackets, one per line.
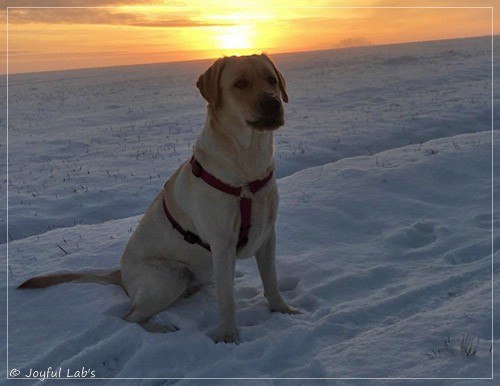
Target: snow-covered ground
[384, 228]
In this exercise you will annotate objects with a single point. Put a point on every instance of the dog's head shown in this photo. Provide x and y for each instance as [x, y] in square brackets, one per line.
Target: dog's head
[245, 89]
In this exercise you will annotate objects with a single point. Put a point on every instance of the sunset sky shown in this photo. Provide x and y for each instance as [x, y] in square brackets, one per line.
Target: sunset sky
[120, 32]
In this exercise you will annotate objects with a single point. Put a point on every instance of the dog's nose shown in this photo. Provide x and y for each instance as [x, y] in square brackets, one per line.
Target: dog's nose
[270, 105]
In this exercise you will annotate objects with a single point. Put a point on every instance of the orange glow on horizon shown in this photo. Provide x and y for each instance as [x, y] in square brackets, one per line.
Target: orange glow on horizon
[55, 39]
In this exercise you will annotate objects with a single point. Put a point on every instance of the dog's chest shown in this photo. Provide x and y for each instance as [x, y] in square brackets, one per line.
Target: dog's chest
[220, 214]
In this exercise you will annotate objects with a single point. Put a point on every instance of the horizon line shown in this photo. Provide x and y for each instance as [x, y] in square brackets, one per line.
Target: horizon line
[215, 57]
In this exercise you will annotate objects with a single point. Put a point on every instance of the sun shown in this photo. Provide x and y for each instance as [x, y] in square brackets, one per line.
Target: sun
[235, 38]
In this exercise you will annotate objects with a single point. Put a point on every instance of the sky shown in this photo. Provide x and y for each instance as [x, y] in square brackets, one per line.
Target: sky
[123, 32]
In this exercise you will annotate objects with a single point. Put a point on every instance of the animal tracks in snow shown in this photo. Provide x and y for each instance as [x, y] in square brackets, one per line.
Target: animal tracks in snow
[247, 292]
[288, 283]
[417, 235]
[483, 221]
[469, 253]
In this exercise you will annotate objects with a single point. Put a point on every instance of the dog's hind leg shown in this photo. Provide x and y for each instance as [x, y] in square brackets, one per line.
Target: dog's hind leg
[156, 289]
[141, 316]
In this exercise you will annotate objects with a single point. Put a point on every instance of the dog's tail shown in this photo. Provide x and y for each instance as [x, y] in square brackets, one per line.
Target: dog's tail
[114, 277]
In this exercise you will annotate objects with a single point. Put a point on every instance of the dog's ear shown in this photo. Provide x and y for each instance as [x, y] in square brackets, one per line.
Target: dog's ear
[281, 80]
[209, 82]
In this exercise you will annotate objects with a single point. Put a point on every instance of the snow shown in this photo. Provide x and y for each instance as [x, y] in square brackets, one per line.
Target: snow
[384, 229]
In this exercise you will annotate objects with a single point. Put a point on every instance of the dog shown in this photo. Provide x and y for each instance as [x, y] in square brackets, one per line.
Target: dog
[219, 206]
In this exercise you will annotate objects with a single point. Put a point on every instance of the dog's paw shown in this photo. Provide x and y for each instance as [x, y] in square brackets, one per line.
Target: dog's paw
[286, 309]
[227, 337]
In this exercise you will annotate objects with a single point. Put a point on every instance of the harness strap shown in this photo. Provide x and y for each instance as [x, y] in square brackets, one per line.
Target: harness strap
[190, 237]
[211, 180]
[245, 204]
[246, 215]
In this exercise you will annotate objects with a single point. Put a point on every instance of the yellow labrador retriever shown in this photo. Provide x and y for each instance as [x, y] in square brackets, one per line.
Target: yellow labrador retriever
[219, 206]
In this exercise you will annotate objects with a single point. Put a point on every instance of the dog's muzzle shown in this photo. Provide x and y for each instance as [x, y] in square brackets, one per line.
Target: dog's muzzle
[270, 114]
[270, 105]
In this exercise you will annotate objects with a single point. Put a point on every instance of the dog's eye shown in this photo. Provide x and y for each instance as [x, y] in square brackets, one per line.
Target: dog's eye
[272, 80]
[242, 83]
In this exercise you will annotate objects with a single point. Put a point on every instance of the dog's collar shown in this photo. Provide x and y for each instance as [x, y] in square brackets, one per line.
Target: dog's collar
[245, 204]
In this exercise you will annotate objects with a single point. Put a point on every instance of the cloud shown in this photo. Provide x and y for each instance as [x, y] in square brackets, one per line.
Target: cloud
[107, 12]
[172, 23]
[354, 42]
[85, 3]
[104, 16]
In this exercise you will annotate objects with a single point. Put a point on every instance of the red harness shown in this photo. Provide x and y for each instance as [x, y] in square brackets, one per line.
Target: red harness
[245, 204]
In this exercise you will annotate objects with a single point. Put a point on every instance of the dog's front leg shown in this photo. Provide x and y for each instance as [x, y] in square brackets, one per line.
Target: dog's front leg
[223, 264]
[265, 257]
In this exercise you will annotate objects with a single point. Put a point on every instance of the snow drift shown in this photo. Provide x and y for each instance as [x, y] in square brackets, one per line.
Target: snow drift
[384, 230]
